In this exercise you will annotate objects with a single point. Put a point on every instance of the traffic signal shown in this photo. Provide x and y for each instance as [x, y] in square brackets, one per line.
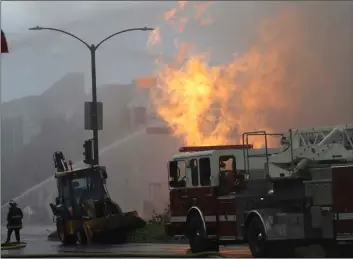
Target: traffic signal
[88, 154]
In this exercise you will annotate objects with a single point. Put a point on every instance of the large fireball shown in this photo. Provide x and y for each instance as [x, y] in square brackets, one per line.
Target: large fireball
[214, 104]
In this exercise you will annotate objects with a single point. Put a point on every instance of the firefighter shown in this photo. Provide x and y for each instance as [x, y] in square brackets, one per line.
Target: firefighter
[14, 221]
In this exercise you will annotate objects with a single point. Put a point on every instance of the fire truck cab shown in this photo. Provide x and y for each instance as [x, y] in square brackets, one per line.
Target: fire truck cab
[272, 198]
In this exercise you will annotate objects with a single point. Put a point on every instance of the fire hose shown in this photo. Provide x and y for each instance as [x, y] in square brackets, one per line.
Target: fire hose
[112, 255]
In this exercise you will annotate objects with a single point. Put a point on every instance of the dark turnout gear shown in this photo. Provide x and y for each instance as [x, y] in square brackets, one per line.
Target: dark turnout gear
[9, 233]
[14, 221]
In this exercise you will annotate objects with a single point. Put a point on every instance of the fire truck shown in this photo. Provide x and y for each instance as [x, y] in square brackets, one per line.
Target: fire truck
[274, 199]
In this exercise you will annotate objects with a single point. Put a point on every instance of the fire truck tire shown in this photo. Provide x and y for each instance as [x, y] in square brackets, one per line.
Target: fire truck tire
[81, 237]
[336, 250]
[256, 237]
[260, 247]
[65, 238]
[345, 251]
[198, 240]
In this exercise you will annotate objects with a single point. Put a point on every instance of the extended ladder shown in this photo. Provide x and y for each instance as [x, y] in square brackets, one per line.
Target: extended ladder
[313, 136]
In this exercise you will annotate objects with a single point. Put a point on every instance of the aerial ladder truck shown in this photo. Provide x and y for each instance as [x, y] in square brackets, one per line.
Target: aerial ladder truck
[275, 199]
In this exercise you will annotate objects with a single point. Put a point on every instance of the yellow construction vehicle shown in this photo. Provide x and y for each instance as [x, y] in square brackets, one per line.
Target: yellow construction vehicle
[84, 211]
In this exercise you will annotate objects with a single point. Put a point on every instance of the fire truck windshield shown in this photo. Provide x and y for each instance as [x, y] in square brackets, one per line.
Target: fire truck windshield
[180, 180]
[227, 174]
[227, 166]
[226, 163]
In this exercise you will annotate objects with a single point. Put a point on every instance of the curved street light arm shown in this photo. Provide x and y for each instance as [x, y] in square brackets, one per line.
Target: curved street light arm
[120, 32]
[62, 31]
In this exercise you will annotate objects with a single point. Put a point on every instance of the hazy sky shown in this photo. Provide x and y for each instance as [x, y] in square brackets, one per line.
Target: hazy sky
[39, 58]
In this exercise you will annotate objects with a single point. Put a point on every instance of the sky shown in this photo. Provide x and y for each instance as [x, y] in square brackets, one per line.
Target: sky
[37, 59]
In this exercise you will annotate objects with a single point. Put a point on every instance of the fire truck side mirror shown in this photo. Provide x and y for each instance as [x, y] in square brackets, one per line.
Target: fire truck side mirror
[173, 169]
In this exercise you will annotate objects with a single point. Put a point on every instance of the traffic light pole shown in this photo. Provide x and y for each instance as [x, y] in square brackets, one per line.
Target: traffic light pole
[93, 49]
[94, 106]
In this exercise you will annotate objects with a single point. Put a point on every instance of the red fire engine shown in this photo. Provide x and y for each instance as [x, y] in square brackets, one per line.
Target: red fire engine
[272, 198]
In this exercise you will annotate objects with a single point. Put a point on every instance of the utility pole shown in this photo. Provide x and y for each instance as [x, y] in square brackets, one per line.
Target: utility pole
[94, 124]
[94, 107]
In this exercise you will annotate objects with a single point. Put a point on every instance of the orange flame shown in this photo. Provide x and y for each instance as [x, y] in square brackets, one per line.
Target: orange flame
[213, 105]
[146, 82]
[170, 14]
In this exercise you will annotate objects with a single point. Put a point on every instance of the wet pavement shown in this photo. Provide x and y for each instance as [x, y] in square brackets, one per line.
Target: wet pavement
[37, 243]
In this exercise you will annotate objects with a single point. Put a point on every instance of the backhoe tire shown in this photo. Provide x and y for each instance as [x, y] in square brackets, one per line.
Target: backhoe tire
[198, 240]
[65, 238]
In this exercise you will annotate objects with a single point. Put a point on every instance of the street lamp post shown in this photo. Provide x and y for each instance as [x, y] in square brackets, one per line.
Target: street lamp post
[93, 49]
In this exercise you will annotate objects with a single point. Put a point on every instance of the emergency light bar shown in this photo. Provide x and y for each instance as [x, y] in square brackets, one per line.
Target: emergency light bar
[222, 147]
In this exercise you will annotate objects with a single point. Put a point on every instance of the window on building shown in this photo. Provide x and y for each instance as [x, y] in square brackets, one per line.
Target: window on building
[194, 172]
[205, 171]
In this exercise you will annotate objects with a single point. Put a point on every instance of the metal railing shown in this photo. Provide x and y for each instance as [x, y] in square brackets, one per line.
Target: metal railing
[247, 156]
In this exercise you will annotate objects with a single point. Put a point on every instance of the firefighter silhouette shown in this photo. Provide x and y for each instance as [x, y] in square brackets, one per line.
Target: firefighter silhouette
[14, 221]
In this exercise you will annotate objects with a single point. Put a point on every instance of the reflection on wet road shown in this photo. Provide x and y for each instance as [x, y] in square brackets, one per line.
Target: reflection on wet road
[43, 246]
[38, 244]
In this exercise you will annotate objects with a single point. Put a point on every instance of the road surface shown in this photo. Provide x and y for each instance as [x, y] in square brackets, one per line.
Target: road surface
[36, 239]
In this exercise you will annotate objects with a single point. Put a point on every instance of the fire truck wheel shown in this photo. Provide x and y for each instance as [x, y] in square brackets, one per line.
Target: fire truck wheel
[197, 236]
[337, 250]
[345, 251]
[256, 238]
[260, 247]
[81, 237]
[64, 237]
